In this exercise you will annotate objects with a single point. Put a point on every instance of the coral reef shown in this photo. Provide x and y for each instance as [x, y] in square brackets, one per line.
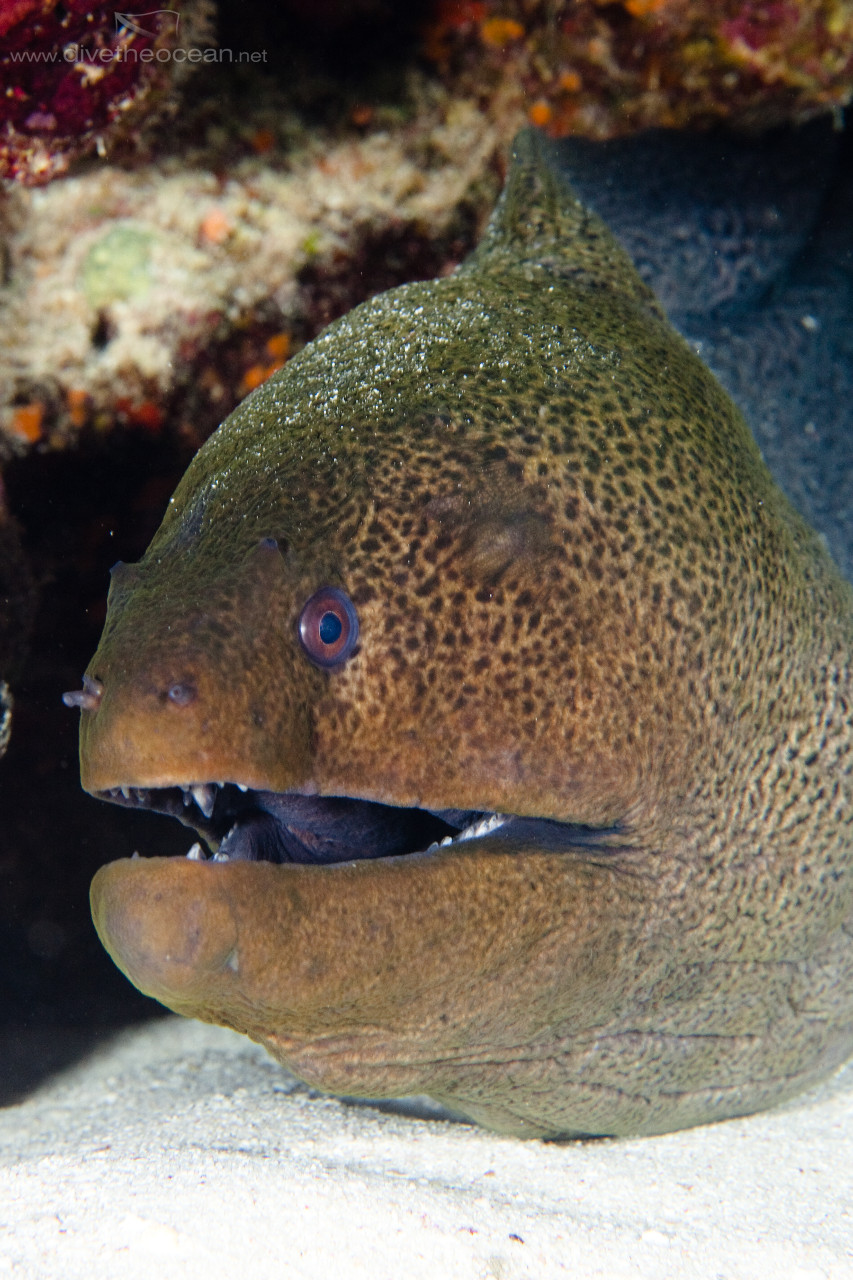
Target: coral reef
[145, 293]
[78, 75]
[602, 69]
[166, 291]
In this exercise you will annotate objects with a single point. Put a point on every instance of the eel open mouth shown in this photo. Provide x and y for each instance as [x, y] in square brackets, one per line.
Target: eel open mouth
[237, 823]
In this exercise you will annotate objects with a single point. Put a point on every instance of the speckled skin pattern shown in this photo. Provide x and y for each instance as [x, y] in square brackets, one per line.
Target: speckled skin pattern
[581, 597]
[748, 244]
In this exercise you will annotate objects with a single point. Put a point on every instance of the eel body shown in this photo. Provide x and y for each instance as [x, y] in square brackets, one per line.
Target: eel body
[512, 703]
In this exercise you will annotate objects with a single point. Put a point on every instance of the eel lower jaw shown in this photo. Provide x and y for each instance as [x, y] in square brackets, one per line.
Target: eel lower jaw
[237, 823]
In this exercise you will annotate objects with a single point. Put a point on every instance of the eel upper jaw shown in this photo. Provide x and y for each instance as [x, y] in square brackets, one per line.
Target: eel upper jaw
[240, 823]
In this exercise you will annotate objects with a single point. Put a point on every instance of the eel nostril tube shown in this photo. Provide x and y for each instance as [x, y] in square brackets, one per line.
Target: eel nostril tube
[88, 698]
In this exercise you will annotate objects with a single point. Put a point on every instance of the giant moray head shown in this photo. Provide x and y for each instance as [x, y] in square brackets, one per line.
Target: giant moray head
[520, 521]
[517, 608]
[377, 672]
[493, 643]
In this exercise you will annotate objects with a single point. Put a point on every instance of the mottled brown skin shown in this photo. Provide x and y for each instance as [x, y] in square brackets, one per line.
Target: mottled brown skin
[581, 597]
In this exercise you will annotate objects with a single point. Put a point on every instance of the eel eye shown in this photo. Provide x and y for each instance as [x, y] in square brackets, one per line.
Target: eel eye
[328, 627]
[181, 694]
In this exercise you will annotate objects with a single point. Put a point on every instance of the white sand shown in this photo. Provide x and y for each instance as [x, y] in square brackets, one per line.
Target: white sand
[182, 1151]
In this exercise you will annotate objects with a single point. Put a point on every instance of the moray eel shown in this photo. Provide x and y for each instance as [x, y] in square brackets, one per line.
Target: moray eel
[512, 703]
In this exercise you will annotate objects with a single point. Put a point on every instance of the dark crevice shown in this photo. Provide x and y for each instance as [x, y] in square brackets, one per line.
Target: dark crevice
[78, 512]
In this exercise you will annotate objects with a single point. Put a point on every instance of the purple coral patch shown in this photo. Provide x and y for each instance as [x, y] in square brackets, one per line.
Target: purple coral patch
[69, 71]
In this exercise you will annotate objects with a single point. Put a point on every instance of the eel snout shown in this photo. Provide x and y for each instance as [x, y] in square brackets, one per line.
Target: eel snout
[171, 937]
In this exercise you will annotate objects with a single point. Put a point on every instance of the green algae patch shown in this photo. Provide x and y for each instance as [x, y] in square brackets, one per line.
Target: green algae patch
[117, 266]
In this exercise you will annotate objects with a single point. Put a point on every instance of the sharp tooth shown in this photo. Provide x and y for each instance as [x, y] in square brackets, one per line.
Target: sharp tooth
[219, 856]
[196, 853]
[188, 796]
[134, 855]
[125, 791]
[241, 786]
[204, 794]
[446, 840]
[484, 827]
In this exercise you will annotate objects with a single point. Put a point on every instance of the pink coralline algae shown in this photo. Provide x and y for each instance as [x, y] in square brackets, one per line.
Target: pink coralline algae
[72, 74]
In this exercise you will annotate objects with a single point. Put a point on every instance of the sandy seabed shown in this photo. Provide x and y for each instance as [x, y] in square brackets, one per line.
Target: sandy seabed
[180, 1150]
